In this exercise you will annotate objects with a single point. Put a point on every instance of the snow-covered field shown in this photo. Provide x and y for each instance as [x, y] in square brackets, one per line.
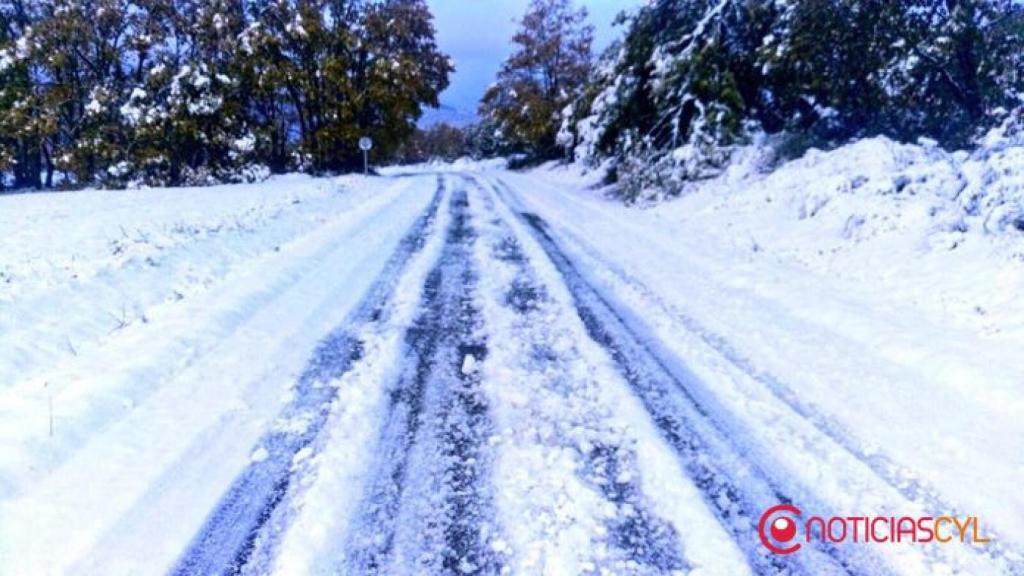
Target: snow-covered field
[471, 370]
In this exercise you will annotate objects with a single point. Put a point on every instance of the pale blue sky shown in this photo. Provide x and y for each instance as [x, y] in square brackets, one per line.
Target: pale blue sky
[476, 33]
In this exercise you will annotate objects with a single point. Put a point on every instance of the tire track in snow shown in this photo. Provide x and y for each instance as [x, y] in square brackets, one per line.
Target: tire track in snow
[900, 479]
[237, 528]
[427, 508]
[897, 477]
[184, 350]
[735, 489]
[646, 544]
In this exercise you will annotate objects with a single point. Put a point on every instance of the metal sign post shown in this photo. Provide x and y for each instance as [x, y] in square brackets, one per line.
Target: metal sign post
[365, 144]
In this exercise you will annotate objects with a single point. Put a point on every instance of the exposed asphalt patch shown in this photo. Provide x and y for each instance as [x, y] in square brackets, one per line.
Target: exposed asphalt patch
[431, 474]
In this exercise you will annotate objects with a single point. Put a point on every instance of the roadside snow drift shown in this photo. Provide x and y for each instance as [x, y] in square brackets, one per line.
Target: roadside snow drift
[469, 370]
[878, 289]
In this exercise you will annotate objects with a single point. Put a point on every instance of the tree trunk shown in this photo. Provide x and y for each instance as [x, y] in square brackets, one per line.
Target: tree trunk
[27, 171]
[49, 167]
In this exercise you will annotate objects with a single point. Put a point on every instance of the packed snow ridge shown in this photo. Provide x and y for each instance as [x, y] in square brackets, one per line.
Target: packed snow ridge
[463, 369]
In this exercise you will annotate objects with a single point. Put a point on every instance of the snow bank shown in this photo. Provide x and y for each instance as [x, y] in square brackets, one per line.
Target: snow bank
[940, 231]
[149, 338]
[109, 256]
[464, 164]
[879, 284]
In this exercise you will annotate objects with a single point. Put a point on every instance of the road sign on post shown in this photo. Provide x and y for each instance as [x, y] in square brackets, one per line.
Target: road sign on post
[365, 144]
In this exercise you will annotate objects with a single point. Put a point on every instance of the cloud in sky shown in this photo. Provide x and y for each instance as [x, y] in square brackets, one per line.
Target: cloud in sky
[477, 33]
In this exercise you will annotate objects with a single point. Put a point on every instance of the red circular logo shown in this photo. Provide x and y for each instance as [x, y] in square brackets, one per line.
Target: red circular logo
[781, 530]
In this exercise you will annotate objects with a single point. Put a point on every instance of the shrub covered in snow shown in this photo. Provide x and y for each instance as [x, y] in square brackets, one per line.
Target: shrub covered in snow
[997, 191]
[873, 198]
[694, 80]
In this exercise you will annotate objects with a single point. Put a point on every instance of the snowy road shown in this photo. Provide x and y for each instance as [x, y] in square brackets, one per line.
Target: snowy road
[462, 373]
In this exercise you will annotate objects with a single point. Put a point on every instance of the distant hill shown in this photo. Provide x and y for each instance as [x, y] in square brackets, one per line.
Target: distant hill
[446, 114]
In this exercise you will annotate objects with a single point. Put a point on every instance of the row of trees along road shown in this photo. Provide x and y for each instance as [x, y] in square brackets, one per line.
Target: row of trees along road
[689, 80]
[115, 92]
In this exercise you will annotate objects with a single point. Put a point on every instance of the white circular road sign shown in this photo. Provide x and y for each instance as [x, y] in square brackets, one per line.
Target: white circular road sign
[365, 143]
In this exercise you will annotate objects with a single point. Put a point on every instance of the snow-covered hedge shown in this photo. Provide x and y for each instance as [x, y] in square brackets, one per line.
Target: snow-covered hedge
[693, 81]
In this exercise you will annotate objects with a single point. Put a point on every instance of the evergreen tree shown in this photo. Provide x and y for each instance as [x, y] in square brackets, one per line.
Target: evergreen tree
[345, 69]
[959, 68]
[484, 139]
[190, 121]
[309, 56]
[189, 91]
[400, 69]
[678, 93]
[904, 68]
[694, 78]
[548, 71]
[438, 142]
[26, 121]
[129, 40]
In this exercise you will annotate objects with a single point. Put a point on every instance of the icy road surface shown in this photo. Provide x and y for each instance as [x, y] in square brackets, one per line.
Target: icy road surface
[457, 373]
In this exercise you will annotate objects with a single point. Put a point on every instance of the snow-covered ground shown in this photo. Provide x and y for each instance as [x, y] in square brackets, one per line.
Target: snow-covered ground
[225, 293]
[463, 369]
[876, 291]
